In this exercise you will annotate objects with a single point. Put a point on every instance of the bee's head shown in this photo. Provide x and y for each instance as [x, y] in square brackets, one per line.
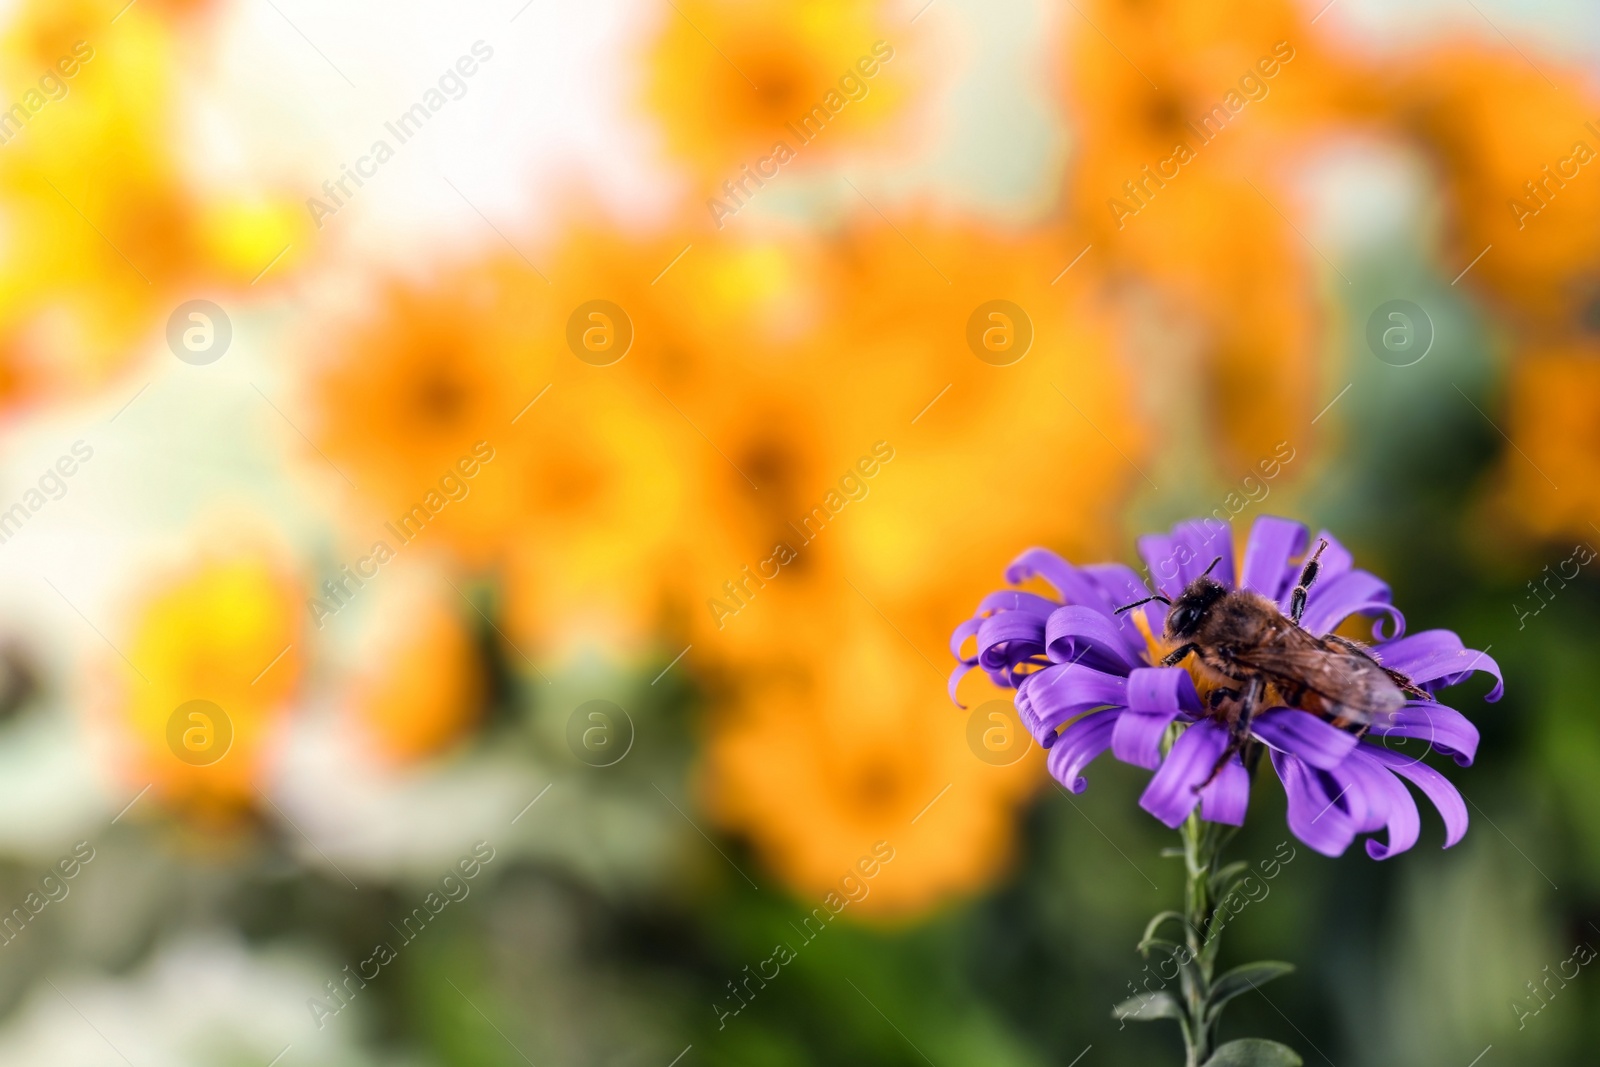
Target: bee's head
[1190, 609]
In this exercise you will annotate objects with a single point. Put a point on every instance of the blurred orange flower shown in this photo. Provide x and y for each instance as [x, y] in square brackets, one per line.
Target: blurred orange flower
[730, 81]
[902, 307]
[716, 326]
[1185, 119]
[1553, 394]
[884, 451]
[422, 686]
[1515, 153]
[586, 491]
[825, 757]
[602, 472]
[416, 396]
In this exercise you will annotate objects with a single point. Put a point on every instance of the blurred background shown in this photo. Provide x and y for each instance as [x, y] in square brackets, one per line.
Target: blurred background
[485, 491]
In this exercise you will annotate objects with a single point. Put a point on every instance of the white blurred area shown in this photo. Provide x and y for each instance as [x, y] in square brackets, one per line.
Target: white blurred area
[201, 1001]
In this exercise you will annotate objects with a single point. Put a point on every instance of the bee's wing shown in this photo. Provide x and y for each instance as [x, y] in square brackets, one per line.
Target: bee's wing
[1324, 677]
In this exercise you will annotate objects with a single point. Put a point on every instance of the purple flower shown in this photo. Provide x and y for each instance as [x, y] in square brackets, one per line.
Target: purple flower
[1085, 684]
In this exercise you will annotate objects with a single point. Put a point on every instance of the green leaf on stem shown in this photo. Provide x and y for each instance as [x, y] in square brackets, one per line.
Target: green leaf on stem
[1146, 1007]
[1161, 917]
[1223, 880]
[1254, 1052]
[1176, 951]
[1171, 948]
[1242, 979]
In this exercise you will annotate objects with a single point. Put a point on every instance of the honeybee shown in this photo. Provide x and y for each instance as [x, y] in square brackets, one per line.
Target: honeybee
[1244, 637]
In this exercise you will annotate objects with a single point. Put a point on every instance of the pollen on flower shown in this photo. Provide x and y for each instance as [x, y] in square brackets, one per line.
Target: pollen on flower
[1153, 641]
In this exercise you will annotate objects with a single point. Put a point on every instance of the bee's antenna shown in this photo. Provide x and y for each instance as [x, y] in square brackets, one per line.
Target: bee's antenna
[1146, 600]
[1208, 570]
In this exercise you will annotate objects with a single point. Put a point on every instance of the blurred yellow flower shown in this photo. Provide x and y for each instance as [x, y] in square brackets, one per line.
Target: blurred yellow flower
[105, 232]
[241, 236]
[226, 631]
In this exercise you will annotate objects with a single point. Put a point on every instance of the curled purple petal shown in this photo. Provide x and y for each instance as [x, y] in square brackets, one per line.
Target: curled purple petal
[1330, 602]
[1077, 634]
[1445, 729]
[1387, 800]
[1313, 814]
[1030, 718]
[1017, 600]
[1078, 745]
[1009, 639]
[1300, 733]
[1171, 795]
[1385, 612]
[955, 680]
[1439, 656]
[1272, 543]
[1074, 586]
[1435, 786]
[1002, 630]
[1120, 585]
[1059, 693]
[958, 637]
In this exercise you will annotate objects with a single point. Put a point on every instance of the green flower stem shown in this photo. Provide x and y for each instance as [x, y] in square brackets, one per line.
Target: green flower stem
[1208, 903]
[1202, 851]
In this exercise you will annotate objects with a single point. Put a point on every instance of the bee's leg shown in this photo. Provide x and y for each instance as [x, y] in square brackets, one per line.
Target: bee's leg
[1353, 646]
[1407, 686]
[1247, 707]
[1219, 694]
[1240, 732]
[1308, 574]
[1403, 683]
[1253, 750]
[1173, 658]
